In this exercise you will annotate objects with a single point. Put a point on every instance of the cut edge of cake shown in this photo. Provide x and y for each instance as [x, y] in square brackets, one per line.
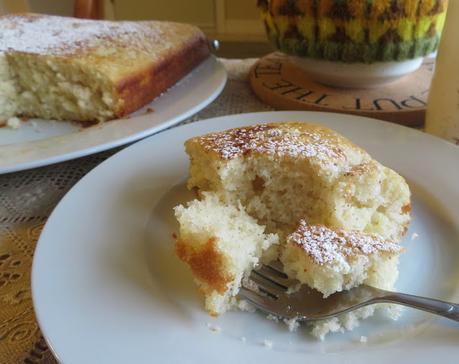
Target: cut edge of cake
[86, 70]
[220, 244]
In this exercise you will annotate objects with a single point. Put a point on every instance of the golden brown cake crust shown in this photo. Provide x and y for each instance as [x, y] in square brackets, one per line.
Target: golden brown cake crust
[288, 139]
[207, 264]
[139, 89]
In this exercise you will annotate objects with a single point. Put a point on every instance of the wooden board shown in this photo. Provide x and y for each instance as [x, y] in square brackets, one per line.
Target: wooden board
[283, 85]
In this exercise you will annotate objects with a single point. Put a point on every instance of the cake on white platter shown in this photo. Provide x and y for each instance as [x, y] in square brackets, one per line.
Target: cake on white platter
[88, 70]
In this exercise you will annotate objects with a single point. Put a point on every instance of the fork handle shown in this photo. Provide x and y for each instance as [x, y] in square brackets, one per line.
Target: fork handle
[437, 307]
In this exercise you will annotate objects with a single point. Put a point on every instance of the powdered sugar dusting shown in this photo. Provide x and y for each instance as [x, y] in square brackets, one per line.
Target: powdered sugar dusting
[60, 35]
[326, 246]
[271, 139]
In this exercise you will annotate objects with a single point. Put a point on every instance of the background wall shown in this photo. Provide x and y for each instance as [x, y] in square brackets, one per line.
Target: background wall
[59, 7]
[235, 20]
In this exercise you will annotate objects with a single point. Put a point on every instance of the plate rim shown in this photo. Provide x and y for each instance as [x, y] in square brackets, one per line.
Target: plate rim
[127, 150]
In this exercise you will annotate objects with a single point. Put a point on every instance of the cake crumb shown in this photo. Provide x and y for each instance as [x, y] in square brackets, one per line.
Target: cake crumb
[327, 326]
[214, 328]
[292, 324]
[414, 236]
[363, 339]
[272, 318]
[293, 289]
[249, 284]
[13, 123]
[267, 343]
[244, 305]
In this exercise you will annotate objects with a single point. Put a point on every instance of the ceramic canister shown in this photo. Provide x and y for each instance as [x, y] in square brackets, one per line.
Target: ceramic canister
[378, 39]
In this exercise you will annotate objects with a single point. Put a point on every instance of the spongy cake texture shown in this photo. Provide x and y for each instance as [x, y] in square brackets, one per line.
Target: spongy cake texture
[337, 213]
[333, 260]
[284, 172]
[220, 243]
[86, 70]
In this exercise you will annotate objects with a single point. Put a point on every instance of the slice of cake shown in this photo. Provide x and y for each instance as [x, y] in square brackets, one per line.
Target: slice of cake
[279, 176]
[220, 243]
[85, 70]
[333, 260]
[284, 172]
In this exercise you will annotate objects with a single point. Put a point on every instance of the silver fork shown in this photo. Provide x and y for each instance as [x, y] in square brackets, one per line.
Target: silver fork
[270, 294]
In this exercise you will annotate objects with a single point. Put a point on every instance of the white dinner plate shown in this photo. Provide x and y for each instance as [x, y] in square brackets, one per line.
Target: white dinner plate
[107, 287]
[41, 142]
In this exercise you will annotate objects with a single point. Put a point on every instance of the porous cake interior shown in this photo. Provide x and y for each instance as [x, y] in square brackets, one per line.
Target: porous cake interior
[309, 181]
[8, 91]
[90, 70]
[220, 243]
[32, 84]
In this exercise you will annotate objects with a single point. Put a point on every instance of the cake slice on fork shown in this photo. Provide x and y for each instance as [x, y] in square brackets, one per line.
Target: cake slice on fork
[297, 192]
[333, 260]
